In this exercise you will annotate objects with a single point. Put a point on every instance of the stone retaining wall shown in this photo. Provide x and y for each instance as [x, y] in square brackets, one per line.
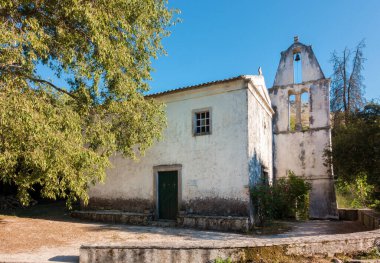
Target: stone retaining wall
[366, 217]
[348, 214]
[369, 218]
[220, 223]
[243, 251]
[115, 217]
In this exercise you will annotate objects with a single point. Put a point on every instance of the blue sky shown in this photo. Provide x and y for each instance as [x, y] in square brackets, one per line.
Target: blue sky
[221, 39]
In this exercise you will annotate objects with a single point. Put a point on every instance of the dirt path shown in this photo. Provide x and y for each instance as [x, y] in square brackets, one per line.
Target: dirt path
[57, 238]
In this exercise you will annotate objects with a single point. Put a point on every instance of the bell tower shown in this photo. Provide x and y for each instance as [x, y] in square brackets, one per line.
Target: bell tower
[301, 125]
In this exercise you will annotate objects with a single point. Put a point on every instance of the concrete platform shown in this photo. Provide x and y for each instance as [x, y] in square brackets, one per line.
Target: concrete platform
[242, 251]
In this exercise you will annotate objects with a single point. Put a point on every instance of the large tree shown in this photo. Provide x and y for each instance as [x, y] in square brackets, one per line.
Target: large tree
[61, 137]
[347, 81]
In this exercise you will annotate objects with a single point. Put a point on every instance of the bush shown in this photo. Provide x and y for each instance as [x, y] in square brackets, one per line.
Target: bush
[287, 198]
[358, 192]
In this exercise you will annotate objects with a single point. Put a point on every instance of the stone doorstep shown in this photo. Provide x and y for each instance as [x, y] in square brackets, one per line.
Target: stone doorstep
[163, 223]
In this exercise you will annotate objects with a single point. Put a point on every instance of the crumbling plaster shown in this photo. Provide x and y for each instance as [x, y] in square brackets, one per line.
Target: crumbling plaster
[311, 70]
[302, 151]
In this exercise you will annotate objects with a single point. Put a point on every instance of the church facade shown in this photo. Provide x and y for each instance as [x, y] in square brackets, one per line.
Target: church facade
[221, 138]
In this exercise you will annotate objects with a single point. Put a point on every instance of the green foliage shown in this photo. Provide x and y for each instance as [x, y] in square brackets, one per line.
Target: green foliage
[62, 137]
[374, 253]
[288, 197]
[359, 192]
[220, 260]
[292, 125]
[356, 150]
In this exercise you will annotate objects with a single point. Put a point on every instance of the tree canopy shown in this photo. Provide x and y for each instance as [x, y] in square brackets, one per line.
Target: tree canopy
[356, 145]
[61, 137]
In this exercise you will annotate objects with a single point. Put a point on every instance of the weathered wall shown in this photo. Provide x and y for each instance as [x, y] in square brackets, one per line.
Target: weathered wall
[319, 106]
[260, 135]
[214, 167]
[310, 67]
[302, 150]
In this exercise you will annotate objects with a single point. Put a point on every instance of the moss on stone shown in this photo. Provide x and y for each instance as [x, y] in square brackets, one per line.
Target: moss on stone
[274, 254]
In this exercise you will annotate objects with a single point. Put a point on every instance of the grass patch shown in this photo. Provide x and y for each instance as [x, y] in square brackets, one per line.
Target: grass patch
[344, 200]
[373, 254]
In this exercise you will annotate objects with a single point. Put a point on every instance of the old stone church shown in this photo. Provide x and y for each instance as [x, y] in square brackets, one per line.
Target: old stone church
[222, 136]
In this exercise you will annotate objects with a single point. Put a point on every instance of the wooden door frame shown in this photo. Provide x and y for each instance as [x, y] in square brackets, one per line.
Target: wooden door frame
[166, 168]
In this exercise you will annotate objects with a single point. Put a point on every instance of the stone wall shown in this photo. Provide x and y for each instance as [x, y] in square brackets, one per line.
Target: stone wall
[219, 223]
[115, 217]
[216, 206]
[367, 217]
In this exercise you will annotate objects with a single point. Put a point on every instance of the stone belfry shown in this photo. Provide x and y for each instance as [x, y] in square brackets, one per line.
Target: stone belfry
[301, 125]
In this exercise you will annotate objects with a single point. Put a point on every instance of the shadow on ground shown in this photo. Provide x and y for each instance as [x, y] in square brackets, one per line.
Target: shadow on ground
[49, 210]
[57, 212]
[65, 259]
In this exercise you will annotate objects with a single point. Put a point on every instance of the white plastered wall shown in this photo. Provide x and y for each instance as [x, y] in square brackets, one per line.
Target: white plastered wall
[212, 165]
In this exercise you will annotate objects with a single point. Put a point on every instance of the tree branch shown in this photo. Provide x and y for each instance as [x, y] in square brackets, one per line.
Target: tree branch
[16, 67]
[51, 85]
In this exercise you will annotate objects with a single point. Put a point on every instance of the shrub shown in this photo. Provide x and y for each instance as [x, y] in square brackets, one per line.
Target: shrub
[286, 198]
[358, 192]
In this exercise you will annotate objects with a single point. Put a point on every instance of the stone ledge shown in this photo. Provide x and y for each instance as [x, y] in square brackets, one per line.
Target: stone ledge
[244, 250]
[366, 217]
[112, 216]
[220, 223]
[369, 218]
[348, 214]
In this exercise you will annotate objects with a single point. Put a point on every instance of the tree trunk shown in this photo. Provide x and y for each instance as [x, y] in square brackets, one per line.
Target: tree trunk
[345, 84]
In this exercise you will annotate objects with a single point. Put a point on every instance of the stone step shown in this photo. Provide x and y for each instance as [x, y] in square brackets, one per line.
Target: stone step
[164, 223]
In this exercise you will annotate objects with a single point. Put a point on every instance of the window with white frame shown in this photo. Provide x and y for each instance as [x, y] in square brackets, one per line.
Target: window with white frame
[202, 122]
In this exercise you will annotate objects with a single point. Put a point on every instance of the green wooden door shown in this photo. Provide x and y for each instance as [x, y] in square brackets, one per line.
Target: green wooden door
[168, 195]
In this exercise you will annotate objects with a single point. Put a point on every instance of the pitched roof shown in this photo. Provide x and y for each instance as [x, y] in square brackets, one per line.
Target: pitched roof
[257, 81]
[192, 87]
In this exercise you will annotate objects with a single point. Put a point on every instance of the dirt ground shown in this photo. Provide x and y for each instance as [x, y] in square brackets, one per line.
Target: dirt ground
[48, 234]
